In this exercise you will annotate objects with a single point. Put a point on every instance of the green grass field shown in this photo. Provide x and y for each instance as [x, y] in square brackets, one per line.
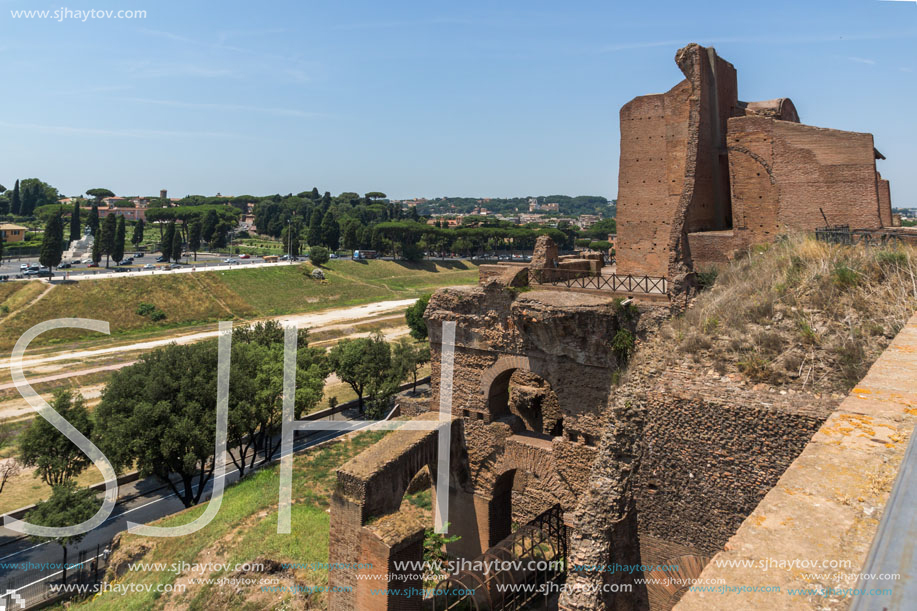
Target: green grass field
[188, 299]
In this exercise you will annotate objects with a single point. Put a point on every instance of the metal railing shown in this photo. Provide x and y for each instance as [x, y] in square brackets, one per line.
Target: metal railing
[842, 234]
[618, 283]
[542, 543]
[28, 591]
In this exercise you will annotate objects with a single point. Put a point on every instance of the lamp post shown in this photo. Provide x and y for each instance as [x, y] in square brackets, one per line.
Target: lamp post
[290, 239]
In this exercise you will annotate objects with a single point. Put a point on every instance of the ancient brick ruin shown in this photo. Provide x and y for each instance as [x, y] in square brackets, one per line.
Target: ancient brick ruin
[666, 466]
[704, 175]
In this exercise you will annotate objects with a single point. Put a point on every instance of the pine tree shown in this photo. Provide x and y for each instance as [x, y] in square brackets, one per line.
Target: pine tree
[118, 247]
[16, 200]
[331, 231]
[75, 222]
[315, 194]
[315, 227]
[93, 220]
[52, 245]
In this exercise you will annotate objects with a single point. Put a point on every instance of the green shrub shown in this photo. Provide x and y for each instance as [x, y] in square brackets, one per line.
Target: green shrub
[843, 276]
[707, 278]
[623, 344]
[319, 255]
[151, 311]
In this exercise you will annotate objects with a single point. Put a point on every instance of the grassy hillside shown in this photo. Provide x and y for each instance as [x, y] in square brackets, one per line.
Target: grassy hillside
[799, 314]
[219, 295]
[244, 531]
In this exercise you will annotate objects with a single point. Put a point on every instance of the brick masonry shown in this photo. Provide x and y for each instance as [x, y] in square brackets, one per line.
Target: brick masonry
[828, 503]
[704, 175]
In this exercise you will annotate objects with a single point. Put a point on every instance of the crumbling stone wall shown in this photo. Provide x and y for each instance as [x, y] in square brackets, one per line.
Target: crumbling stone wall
[532, 377]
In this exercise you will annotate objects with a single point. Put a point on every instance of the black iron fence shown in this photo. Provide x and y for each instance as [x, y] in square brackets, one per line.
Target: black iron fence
[842, 234]
[525, 569]
[618, 283]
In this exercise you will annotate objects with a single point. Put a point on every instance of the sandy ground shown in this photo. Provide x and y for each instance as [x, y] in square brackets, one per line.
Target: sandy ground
[14, 409]
[311, 320]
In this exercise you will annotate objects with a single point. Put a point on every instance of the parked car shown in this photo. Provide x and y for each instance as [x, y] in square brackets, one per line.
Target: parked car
[64, 266]
[332, 256]
[230, 261]
[92, 264]
[161, 259]
[44, 273]
[138, 255]
[149, 266]
[244, 256]
[86, 261]
[23, 267]
[127, 261]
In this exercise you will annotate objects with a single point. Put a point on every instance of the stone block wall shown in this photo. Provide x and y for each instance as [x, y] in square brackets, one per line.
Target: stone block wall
[707, 462]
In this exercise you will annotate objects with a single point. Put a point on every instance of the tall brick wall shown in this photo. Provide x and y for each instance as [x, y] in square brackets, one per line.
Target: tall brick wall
[827, 168]
[650, 178]
[885, 201]
[696, 160]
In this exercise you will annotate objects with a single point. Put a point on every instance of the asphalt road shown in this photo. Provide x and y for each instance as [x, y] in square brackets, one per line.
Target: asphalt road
[11, 267]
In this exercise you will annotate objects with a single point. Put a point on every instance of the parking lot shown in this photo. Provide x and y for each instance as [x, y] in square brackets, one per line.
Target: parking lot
[13, 268]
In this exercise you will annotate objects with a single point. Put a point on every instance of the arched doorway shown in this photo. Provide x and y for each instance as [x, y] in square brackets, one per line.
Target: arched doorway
[527, 402]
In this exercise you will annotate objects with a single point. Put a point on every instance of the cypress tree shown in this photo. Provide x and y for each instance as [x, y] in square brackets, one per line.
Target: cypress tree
[118, 247]
[93, 220]
[107, 237]
[194, 237]
[16, 200]
[166, 246]
[331, 231]
[137, 238]
[52, 245]
[75, 222]
[176, 245]
[96, 250]
[315, 227]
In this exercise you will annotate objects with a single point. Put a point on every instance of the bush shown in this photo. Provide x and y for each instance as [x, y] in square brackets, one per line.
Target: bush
[319, 255]
[415, 320]
[706, 278]
[843, 276]
[151, 311]
[623, 344]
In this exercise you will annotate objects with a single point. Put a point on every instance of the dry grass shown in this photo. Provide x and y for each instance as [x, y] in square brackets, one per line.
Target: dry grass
[802, 313]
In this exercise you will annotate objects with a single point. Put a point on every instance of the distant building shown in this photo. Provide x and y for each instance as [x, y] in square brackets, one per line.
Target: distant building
[12, 233]
[585, 221]
[130, 214]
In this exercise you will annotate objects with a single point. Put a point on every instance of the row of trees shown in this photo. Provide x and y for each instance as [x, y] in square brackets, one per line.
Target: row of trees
[159, 415]
[25, 196]
[352, 222]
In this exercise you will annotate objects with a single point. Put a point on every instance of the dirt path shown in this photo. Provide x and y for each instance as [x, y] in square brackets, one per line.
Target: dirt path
[315, 319]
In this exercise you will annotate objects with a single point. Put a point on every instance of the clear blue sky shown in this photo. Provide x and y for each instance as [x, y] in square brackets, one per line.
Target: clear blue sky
[417, 98]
